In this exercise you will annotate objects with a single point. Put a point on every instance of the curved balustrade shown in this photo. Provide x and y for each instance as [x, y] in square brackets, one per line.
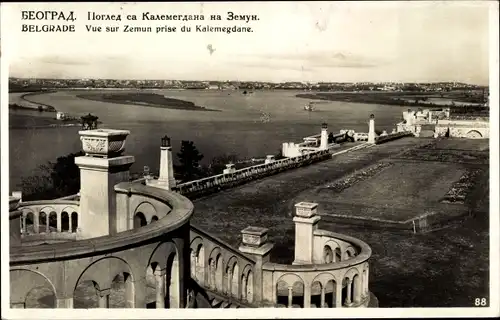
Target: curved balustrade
[59, 218]
[99, 262]
[215, 183]
[221, 268]
[339, 282]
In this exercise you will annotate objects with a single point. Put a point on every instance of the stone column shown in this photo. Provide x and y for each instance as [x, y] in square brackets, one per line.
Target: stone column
[104, 298]
[290, 296]
[230, 282]
[62, 303]
[337, 298]
[254, 242]
[322, 297]
[213, 271]
[371, 129]
[348, 301]
[59, 221]
[101, 169]
[160, 289]
[306, 222]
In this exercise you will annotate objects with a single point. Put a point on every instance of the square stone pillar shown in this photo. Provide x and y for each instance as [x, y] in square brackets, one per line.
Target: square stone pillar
[101, 169]
[306, 222]
[229, 168]
[254, 242]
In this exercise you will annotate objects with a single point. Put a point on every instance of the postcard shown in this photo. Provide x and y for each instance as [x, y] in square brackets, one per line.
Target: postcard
[249, 159]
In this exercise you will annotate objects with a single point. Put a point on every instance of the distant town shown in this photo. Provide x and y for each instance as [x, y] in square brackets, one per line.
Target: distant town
[25, 84]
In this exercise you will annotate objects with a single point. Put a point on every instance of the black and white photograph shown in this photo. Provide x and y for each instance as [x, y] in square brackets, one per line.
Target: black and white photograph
[332, 156]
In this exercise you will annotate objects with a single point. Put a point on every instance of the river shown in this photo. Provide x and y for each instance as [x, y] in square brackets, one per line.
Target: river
[240, 128]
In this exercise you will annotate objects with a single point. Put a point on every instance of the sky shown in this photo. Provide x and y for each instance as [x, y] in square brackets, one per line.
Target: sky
[292, 41]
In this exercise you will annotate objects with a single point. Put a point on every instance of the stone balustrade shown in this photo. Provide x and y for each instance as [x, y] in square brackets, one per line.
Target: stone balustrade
[338, 277]
[217, 182]
[392, 136]
[218, 267]
[49, 220]
[135, 255]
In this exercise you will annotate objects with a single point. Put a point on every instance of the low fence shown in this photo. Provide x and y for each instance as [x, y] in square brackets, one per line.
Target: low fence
[392, 136]
[198, 188]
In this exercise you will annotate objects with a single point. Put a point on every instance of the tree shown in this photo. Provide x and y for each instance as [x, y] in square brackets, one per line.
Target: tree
[218, 164]
[54, 180]
[189, 158]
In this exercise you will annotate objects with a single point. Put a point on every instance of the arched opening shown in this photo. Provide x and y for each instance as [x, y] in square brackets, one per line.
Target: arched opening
[331, 294]
[172, 282]
[200, 264]
[290, 291]
[85, 295]
[234, 280]
[64, 221]
[106, 283]
[154, 218]
[42, 222]
[338, 255]
[29, 289]
[40, 298]
[29, 223]
[345, 290]
[317, 300]
[53, 221]
[356, 289]
[139, 220]
[152, 285]
[474, 134]
[219, 273]
[120, 293]
[74, 222]
[327, 254]
[247, 286]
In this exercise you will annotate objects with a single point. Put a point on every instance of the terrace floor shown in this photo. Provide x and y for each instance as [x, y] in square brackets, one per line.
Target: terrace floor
[445, 268]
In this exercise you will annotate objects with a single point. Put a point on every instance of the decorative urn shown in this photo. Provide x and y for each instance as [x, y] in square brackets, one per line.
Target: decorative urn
[103, 143]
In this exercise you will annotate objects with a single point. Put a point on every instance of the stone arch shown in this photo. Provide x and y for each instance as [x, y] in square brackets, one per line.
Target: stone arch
[317, 294]
[94, 271]
[42, 222]
[216, 269]
[29, 220]
[290, 288]
[65, 221]
[328, 285]
[74, 221]
[347, 285]
[23, 281]
[153, 219]
[327, 254]
[197, 259]
[474, 134]
[139, 220]
[147, 209]
[232, 275]
[246, 284]
[163, 275]
[331, 293]
[53, 221]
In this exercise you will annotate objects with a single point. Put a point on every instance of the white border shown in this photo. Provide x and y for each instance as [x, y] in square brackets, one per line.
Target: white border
[493, 310]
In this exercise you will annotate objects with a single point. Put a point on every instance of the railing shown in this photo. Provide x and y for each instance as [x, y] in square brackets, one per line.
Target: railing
[220, 268]
[49, 220]
[215, 183]
[392, 136]
[324, 284]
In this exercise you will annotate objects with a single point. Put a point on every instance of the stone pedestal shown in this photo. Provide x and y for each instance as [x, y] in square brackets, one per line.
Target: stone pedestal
[229, 168]
[306, 222]
[269, 159]
[254, 242]
[100, 170]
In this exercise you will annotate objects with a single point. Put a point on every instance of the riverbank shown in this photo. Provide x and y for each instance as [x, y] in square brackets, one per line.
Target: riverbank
[453, 100]
[144, 99]
[32, 121]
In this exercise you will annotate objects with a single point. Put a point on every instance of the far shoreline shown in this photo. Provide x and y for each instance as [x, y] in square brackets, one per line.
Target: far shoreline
[144, 99]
